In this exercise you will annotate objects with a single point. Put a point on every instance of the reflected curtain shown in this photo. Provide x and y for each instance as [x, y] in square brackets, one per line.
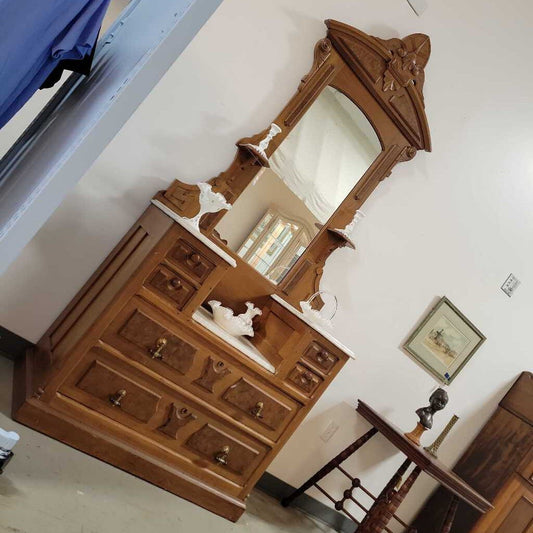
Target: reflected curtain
[327, 152]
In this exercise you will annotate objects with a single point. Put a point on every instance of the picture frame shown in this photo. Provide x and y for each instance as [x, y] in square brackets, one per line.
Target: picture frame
[444, 341]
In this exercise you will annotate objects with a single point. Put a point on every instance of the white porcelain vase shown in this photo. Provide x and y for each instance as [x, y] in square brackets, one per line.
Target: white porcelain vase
[235, 325]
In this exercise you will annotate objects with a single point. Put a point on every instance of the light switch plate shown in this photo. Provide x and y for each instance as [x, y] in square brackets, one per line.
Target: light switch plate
[419, 6]
[510, 285]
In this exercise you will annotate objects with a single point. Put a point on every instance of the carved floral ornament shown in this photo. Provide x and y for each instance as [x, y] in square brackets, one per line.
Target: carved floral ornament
[409, 57]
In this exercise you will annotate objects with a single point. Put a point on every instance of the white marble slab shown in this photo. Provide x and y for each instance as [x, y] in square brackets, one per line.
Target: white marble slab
[316, 327]
[205, 318]
[183, 222]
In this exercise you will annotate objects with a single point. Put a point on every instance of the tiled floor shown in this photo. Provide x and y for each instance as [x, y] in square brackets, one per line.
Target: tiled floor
[51, 488]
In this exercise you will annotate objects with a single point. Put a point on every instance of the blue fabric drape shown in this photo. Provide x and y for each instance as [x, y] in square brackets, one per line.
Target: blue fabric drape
[35, 35]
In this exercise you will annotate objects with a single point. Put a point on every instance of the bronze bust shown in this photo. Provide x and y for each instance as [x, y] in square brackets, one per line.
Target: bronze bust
[437, 402]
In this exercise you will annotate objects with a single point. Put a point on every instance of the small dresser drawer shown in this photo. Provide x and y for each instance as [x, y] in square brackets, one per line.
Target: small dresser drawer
[171, 286]
[320, 357]
[202, 444]
[304, 379]
[188, 259]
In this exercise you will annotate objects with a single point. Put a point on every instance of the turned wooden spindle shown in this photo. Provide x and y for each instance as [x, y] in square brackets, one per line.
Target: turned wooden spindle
[325, 470]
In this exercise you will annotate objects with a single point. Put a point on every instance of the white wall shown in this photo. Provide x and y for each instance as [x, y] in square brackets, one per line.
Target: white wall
[454, 222]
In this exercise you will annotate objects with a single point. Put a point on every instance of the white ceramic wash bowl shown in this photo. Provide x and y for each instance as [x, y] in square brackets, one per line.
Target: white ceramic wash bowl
[236, 325]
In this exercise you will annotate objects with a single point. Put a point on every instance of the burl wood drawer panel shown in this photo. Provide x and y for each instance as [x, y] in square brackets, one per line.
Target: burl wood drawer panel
[178, 352]
[188, 258]
[112, 387]
[202, 443]
[320, 357]
[171, 286]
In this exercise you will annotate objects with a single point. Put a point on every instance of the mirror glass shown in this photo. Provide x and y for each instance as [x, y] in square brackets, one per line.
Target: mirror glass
[311, 173]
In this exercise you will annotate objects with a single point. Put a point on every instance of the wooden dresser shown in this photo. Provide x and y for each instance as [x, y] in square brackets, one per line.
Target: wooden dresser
[134, 370]
[127, 375]
[499, 465]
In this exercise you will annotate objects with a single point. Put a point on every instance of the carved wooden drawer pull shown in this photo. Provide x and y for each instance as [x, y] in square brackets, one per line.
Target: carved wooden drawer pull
[116, 398]
[324, 358]
[156, 352]
[174, 284]
[221, 457]
[257, 411]
[195, 258]
[306, 377]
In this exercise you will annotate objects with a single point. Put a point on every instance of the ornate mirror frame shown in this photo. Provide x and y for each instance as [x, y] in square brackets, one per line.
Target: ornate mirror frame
[384, 78]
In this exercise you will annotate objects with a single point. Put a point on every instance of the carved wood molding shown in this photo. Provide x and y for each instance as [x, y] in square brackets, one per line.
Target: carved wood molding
[385, 79]
[178, 417]
[393, 70]
[213, 372]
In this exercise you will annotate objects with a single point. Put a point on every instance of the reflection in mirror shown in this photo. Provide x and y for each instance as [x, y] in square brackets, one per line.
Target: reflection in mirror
[311, 173]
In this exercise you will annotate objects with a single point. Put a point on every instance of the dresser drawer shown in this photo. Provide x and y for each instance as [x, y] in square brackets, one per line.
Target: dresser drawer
[187, 258]
[223, 451]
[320, 357]
[110, 386]
[179, 352]
[155, 341]
[257, 404]
[305, 380]
[171, 286]
[201, 443]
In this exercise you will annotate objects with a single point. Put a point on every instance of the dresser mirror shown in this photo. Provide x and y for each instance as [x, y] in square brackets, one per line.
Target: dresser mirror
[310, 174]
[356, 114]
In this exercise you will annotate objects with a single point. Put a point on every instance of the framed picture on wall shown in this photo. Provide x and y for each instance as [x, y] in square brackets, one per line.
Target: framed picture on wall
[444, 341]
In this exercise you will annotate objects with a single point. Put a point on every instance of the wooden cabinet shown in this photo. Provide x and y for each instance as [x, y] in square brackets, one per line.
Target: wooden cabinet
[128, 376]
[499, 465]
[513, 511]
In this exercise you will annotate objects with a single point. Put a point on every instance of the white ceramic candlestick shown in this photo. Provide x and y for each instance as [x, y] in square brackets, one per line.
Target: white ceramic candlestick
[348, 230]
[260, 149]
[210, 202]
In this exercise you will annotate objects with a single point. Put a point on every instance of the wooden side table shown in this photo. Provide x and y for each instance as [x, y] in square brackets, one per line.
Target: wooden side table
[390, 498]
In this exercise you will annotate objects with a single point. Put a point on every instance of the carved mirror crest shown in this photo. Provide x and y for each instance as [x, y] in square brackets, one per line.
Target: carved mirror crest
[358, 112]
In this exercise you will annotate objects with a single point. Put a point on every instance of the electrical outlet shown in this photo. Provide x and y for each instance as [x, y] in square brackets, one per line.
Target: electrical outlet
[510, 285]
[330, 430]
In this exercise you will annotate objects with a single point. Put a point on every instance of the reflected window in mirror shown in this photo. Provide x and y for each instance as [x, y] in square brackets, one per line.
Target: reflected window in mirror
[275, 244]
[311, 173]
